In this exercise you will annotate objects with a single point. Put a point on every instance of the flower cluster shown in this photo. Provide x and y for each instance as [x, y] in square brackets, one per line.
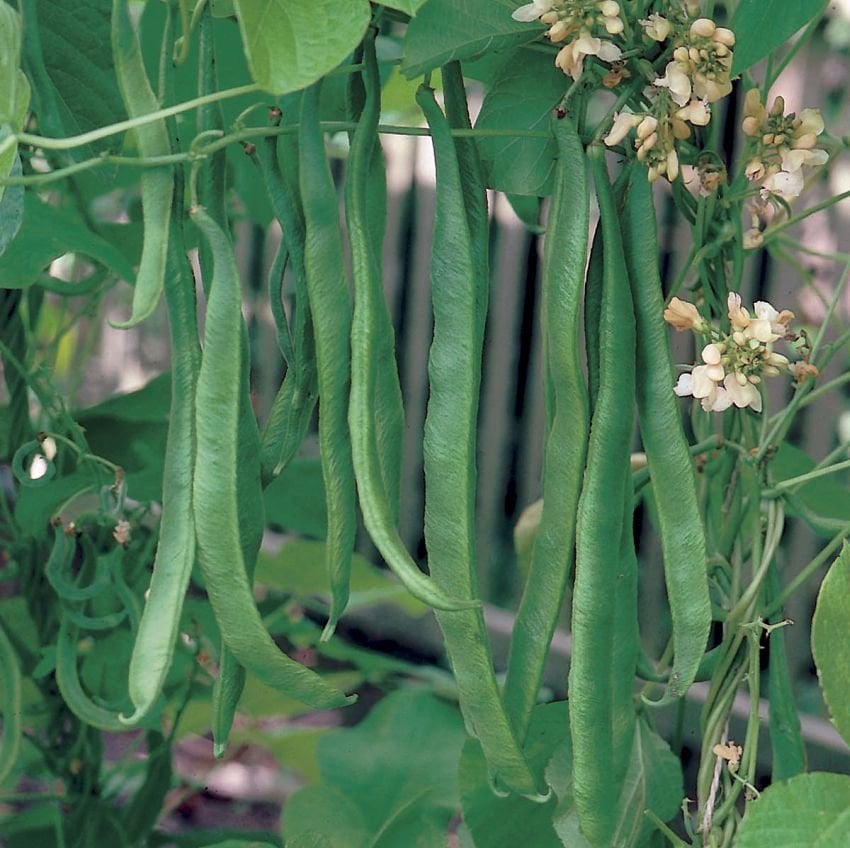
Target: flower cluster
[578, 23]
[733, 363]
[781, 144]
[696, 76]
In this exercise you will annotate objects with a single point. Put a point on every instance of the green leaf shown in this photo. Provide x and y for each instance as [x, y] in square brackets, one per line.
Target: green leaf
[131, 430]
[10, 50]
[394, 774]
[824, 503]
[760, 26]
[831, 641]
[444, 30]
[653, 782]
[295, 500]
[46, 234]
[505, 822]
[409, 7]
[299, 568]
[809, 811]
[77, 53]
[11, 206]
[292, 43]
[527, 209]
[36, 505]
[522, 97]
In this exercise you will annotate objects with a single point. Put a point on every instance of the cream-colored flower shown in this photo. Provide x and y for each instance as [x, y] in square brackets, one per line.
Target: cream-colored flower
[738, 315]
[656, 27]
[532, 11]
[677, 81]
[683, 315]
[624, 123]
[697, 112]
[742, 392]
[570, 58]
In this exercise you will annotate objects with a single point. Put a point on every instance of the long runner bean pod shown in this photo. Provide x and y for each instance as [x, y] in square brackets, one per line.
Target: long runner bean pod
[369, 354]
[157, 183]
[330, 306]
[11, 708]
[293, 406]
[216, 488]
[564, 259]
[454, 369]
[153, 650]
[388, 403]
[594, 700]
[674, 482]
[471, 174]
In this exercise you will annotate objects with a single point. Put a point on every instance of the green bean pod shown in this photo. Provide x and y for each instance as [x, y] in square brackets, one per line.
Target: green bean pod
[60, 560]
[564, 261]
[293, 406]
[230, 680]
[672, 469]
[216, 496]
[596, 701]
[10, 705]
[330, 306]
[371, 352]
[153, 650]
[68, 681]
[454, 369]
[157, 183]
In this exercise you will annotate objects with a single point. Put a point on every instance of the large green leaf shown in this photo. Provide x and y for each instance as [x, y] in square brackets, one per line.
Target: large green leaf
[824, 503]
[760, 26]
[299, 568]
[522, 97]
[292, 43]
[409, 7]
[47, 233]
[653, 782]
[505, 822]
[77, 54]
[809, 811]
[444, 30]
[131, 430]
[390, 781]
[831, 641]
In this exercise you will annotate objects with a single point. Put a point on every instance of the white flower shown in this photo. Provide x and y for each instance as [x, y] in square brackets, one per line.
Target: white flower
[677, 79]
[532, 11]
[742, 392]
[38, 467]
[624, 122]
[570, 58]
[765, 327]
[656, 27]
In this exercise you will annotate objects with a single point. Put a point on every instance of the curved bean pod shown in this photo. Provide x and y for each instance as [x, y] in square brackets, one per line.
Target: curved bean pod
[596, 701]
[682, 534]
[564, 260]
[68, 681]
[330, 306]
[454, 368]
[157, 183]
[10, 705]
[216, 489]
[153, 649]
[369, 322]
